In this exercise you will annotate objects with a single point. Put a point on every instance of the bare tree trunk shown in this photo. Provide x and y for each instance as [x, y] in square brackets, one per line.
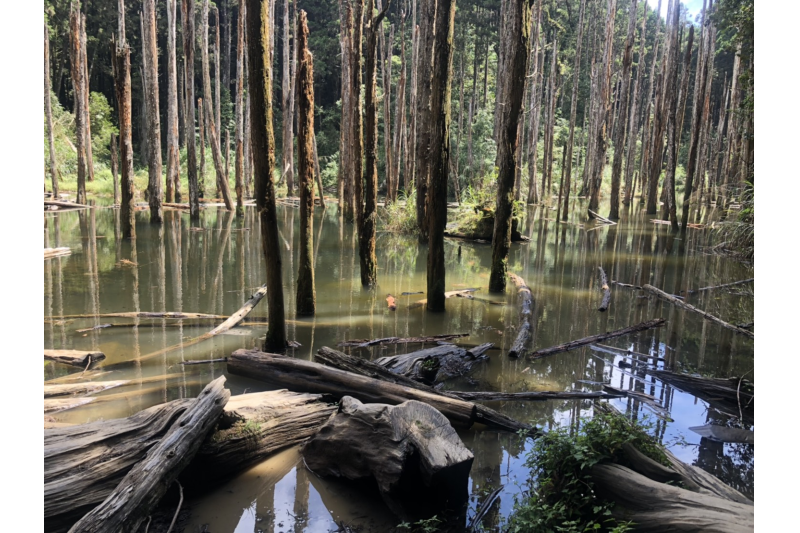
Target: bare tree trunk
[222, 181]
[202, 129]
[345, 183]
[173, 150]
[217, 92]
[77, 72]
[288, 119]
[226, 45]
[706, 126]
[473, 103]
[187, 31]
[400, 111]
[514, 39]
[728, 163]
[386, 77]
[150, 54]
[573, 113]
[114, 165]
[49, 116]
[423, 120]
[537, 88]
[239, 163]
[121, 66]
[604, 80]
[660, 110]
[548, 132]
[306, 294]
[411, 152]
[260, 87]
[86, 114]
[622, 117]
[440, 96]
[461, 129]
[633, 121]
[357, 123]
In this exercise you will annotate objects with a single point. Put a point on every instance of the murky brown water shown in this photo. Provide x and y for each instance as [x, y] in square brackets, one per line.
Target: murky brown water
[213, 268]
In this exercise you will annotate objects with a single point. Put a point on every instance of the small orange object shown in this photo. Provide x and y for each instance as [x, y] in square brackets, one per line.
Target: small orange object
[391, 302]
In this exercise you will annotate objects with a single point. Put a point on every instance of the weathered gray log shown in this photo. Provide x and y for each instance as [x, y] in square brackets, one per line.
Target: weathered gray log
[89, 387]
[708, 484]
[525, 298]
[410, 449]
[658, 507]
[448, 294]
[606, 291]
[54, 405]
[304, 376]
[533, 396]
[655, 323]
[50, 253]
[170, 314]
[435, 365]
[725, 434]
[732, 391]
[74, 357]
[741, 282]
[143, 486]
[70, 205]
[683, 305]
[431, 339]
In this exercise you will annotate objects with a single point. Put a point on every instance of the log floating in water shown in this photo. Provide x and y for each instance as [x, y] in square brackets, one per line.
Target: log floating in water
[432, 339]
[606, 291]
[533, 396]
[144, 485]
[448, 294]
[602, 219]
[683, 305]
[741, 282]
[74, 357]
[731, 391]
[725, 434]
[655, 323]
[434, 365]
[526, 312]
[204, 361]
[305, 376]
[54, 405]
[50, 253]
[89, 387]
[144, 314]
[70, 205]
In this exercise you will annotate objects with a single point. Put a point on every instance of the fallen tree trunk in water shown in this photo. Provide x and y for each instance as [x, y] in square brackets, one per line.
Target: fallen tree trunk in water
[74, 357]
[66, 204]
[50, 253]
[606, 291]
[54, 405]
[526, 313]
[725, 434]
[655, 323]
[305, 376]
[432, 339]
[742, 282]
[434, 365]
[144, 485]
[536, 396]
[410, 449]
[89, 387]
[448, 294]
[84, 463]
[144, 314]
[683, 305]
[728, 394]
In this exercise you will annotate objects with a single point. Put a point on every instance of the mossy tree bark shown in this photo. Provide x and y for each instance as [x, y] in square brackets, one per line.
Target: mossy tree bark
[306, 293]
[150, 54]
[263, 143]
[516, 35]
[345, 184]
[423, 111]
[286, 106]
[187, 30]
[121, 66]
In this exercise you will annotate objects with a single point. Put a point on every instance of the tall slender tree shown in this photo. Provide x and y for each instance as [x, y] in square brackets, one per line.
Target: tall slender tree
[633, 120]
[187, 31]
[48, 112]
[173, 150]
[239, 164]
[515, 35]
[121, 66]
[288, 118]
[77, 72]
[260, 88]
[422, 138]
[150, 53]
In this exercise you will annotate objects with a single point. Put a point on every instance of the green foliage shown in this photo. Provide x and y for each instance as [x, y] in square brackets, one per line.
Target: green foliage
[561, 495]
[400, 216]
[427, 525]
[102, 126]
[330, 171]
[738, 236]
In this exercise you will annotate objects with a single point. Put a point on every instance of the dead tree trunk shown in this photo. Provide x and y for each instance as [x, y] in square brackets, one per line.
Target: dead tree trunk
[357, 122]
[239, 158]
[86, 115]
[622, 119]
[425, 50]
[216, 153]
[400, 111]
[411, 134]
[49, 116]
[263, 142]
[288, 119]
[202, 130]
[121, 66]
[516, 35]
[634, 119]
[77, 71]
[306, 293]
[173, 150]
[386, 77]
[114, 164]
[525, 314]
[567, 346]
[537, 56]
[547, 174]
[440, 93]
[573, 111]
[345, 184]
[217, 95]
[150, 54]
[187, 30]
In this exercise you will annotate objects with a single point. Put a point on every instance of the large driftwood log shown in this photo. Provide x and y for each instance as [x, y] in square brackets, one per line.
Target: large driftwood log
[742, 282]
[410, 449]
[70, 205]
[432, 339]
[89, 387]
[84, 463]
[657, 507]
[448, 294]
[74, 357]
[525, 315]
[533, 396]
[606, 291]
[435, 365]
[683, 305]
[50, 253]
[655, 323]
[733, 392]
[54, 405]
[305, 376]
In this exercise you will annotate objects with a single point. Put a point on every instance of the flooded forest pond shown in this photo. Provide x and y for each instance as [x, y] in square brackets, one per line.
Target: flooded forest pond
[214, 266]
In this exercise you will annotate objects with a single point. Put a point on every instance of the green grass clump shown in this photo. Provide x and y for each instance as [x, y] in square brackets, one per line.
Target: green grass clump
[401, 216]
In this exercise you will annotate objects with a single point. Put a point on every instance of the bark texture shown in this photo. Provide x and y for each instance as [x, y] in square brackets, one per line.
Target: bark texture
[150, 54]
[121, 66]
[187, 30]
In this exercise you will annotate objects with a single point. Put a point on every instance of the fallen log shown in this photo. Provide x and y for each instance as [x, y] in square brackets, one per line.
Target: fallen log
[75, 357]
[628, 285]
[625, 353]
[432, 339]
[90, 387]
[478, 299]
[725, 434]
[606, 291]
[70, 205]
[435, 365]
[54, 405]
[655, 323]
[658, 507]
[204, 361]
[732, 392]
[50, 253]
[144, 314]
[683, 305]
[305, 376]
[410, 450]
[448, 294]
[602, 219]
[144, 485]
[525, 314]
[175, 206]
[741, 282]
[536, 396]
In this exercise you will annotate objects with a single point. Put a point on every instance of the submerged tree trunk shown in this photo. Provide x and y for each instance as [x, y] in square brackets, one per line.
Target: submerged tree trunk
[288, 118]
[187, 30]
[440, 116]
[622, 118]
[673, 134]
[573, 112]
[49, 116]
[239, 157]
[150, 54]
[515, 38]
[306, 293]
[173, 151]
[77, 71]
[547, 175]
[202, 130]
[121, 66]
[423, 113]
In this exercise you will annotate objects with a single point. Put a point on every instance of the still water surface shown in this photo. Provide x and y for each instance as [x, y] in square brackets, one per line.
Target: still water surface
[213, 267]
